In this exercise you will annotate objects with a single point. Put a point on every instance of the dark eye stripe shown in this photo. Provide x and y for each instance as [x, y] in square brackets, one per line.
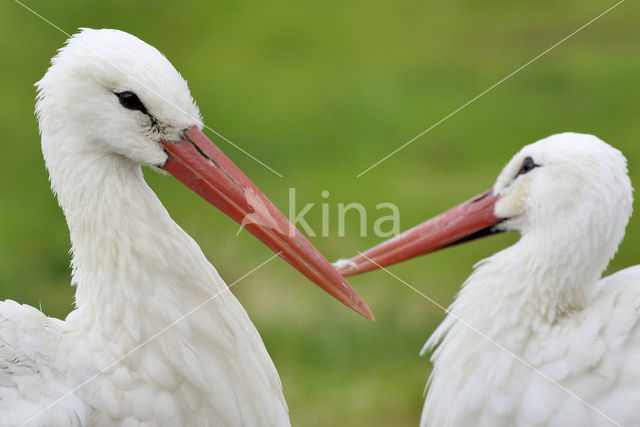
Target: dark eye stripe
[527, 166]
[131, 101]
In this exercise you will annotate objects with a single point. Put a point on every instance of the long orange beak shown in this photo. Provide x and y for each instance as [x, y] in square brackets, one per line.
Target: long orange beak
[468, 221]
[201, 166]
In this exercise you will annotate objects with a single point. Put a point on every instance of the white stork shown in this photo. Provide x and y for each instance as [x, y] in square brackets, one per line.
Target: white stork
[536, 336]
[108, 104]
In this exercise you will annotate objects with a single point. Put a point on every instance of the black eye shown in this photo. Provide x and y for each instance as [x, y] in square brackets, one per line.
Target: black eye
[527, 165]
[131, 101]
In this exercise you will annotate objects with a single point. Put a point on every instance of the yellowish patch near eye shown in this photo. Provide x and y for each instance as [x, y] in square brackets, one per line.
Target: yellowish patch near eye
[513, 204]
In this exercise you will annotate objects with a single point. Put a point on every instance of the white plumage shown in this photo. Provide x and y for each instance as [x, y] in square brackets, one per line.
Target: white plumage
[536, 337]
[544, 300]
[136, 271]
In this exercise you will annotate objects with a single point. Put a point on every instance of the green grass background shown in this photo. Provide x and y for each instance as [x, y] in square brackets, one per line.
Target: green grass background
[319, 91]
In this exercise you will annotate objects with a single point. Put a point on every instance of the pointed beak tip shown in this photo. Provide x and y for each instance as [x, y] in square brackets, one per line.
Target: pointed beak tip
[366, 312]
[346, 267]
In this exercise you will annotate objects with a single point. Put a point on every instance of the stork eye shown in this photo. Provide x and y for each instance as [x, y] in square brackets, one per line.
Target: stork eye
[527, 165]
[131, 101]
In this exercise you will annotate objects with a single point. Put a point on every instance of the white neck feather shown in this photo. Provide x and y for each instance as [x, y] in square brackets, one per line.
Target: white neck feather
[136, 273]
[130, 260]
[527, 286]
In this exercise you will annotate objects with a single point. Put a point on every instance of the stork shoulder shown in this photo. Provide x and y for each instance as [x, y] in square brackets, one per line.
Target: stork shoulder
[615, 303]
[31, 370]
[624, 282]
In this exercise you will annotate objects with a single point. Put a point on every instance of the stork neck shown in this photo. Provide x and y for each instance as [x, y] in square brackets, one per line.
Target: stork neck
[128, 255]
[552, 275]
[534, 283]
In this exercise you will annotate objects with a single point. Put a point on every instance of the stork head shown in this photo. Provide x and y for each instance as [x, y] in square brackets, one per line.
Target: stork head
[565, 179]
[109, 95]
[565, 187]
[119, 94]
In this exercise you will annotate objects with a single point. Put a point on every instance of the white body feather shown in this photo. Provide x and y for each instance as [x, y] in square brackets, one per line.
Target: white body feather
[543, 300]
[136, 271]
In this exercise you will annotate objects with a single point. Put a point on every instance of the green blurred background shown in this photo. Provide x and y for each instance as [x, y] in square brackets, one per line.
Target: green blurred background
[319, 91]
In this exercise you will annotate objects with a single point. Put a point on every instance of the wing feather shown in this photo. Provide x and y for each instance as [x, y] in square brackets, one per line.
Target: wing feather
[32, 370]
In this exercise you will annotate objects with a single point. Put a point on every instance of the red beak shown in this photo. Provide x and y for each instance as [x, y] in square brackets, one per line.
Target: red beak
[201, 166]
[468, 221]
